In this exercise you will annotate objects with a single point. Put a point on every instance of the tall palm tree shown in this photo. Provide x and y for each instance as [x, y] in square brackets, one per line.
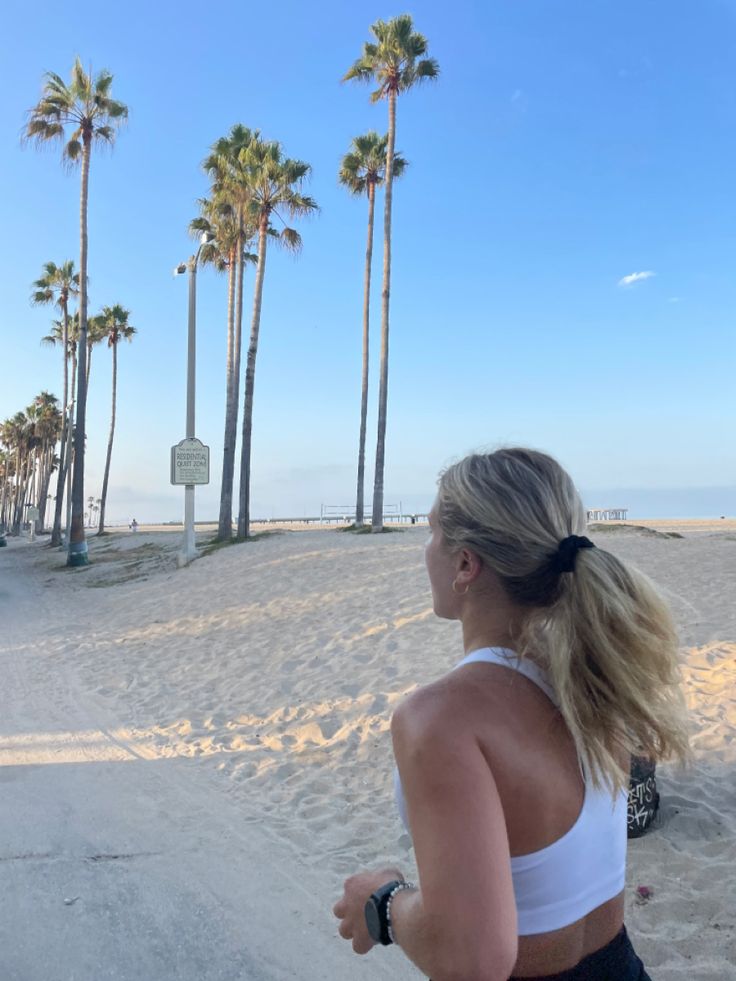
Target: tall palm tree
[86, 107]
[395, 64]
[275, 183]
[363, 169]
[56, 337]
[116, 322]
[6, 462]
[8, 457]
[216, 228]
[16, 436]
[59, 285]
[49, 430]
[33, 414]
[231, 195]
[33, 433]
[96, 334]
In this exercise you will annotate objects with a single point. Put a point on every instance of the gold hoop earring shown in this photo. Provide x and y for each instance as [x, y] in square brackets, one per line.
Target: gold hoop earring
[454, 589]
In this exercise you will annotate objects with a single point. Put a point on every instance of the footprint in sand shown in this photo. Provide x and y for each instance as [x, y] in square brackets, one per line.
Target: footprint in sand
[379, 705]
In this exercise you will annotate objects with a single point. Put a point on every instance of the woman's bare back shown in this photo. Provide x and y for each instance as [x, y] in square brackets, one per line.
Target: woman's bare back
[535, 767]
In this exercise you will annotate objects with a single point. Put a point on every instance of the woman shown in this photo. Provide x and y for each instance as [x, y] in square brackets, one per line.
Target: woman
[513, 768]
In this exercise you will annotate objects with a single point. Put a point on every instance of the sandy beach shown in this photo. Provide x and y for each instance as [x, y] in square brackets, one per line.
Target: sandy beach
[195, 758]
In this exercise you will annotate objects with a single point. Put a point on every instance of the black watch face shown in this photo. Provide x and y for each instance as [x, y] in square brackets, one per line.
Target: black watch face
[373, 920]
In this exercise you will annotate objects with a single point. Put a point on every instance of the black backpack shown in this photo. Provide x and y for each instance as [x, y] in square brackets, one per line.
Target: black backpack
[643, 796]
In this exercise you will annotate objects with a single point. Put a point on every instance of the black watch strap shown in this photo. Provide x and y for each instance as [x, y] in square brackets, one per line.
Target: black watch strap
[375, 913]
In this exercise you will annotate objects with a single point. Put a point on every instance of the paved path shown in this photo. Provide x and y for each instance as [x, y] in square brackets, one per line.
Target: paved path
[114, 866]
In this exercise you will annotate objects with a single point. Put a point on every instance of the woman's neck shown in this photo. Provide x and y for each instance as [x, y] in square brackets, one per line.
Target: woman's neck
[488, 617]
[478, 634]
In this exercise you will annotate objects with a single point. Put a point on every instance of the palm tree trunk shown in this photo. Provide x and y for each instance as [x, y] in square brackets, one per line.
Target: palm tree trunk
[70, 449]
[77, 542]
[37, 480]
[16, 492]
[43, 495]
[33, 476]
[61, 477]
[35, 487]
[7, 497]
[250, 377]
[377, 519]
[42, 462]
[103, 499]
[24, 464]
[235, 273]
[237, 346]
[359, 505]
[4, 498]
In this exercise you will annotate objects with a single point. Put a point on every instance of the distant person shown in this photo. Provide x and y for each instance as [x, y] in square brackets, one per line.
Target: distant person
[134, 526]
[513, 768]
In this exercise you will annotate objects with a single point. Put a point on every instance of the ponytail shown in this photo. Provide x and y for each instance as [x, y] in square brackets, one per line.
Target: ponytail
[611, 650]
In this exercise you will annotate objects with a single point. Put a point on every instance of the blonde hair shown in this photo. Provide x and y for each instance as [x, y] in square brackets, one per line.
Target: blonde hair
[603, 633]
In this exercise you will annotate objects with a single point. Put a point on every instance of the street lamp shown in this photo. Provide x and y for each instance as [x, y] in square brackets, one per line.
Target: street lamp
[188, 549]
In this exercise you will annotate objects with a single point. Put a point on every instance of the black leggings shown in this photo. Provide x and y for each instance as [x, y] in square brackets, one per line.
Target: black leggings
[617, 961]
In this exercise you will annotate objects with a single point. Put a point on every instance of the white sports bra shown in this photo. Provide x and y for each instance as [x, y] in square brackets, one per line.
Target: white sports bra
[562, 883]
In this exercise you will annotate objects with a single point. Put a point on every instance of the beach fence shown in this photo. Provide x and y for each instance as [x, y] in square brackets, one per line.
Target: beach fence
[344, 514]
[392, 514]
[607, 514]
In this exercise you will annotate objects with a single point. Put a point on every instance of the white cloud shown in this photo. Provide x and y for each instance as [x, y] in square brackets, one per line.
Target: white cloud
[636, 277]
[519, 100]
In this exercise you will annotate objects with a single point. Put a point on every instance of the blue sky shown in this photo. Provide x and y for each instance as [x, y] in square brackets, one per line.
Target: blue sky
[565, 147]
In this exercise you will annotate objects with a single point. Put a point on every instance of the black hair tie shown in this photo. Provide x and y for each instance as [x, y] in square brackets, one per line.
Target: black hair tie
[567, 551]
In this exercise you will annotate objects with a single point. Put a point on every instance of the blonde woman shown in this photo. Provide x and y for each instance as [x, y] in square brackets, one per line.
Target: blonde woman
[513, 768]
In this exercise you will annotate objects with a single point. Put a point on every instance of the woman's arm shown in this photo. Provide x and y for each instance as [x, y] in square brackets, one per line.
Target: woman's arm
[461, 924]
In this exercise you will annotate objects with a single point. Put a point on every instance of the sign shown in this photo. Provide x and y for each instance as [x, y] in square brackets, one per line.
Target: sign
[190, 462]
[32, 514]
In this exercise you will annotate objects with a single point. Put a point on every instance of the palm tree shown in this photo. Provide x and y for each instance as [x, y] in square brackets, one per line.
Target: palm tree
[17, 432]
[363, 169]
[6, 461]
[115, 321]
[231, 197]
[30, 438]
[56, 337]
[395, 63]
[59, 284]
[275, 184]
[49, 430]
[85, 106]
[96, 334]
[216, 229]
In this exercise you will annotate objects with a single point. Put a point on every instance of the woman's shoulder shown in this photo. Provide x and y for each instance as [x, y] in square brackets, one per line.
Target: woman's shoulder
[457, 701]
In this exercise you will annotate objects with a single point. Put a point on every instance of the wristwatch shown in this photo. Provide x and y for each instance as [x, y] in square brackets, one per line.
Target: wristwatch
[378, 911]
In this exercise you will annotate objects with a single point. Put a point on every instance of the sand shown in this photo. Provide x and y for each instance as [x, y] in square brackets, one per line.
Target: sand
[249, 697]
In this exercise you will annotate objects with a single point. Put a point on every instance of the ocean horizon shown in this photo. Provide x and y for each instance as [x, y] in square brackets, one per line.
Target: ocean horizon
[670, 503]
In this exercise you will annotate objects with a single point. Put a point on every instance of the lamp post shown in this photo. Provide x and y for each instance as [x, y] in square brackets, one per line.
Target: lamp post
[188, 547]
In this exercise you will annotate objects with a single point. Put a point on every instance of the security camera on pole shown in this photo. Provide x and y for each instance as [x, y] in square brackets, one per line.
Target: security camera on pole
[190, 458]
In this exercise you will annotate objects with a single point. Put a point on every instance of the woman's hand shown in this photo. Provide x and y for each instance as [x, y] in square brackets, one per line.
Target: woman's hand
[350, 909]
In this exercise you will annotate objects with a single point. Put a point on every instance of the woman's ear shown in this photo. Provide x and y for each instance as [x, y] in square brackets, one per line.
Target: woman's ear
[470, 565]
